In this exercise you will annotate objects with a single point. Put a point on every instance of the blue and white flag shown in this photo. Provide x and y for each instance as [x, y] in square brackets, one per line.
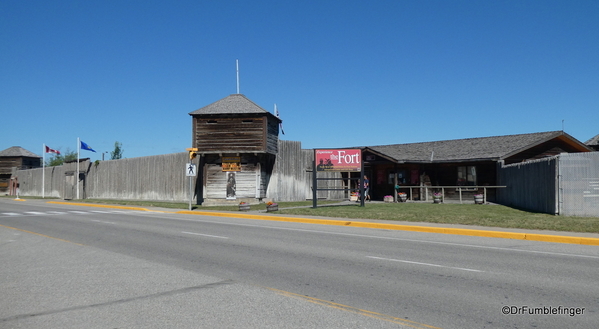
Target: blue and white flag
[86, 147]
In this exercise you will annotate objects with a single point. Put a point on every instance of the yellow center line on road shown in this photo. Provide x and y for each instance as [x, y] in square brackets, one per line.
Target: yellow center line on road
[45, 236]
[412, 324]
[99, 205]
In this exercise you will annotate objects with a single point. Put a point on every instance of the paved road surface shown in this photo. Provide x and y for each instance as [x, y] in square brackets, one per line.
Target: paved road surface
[73, 267]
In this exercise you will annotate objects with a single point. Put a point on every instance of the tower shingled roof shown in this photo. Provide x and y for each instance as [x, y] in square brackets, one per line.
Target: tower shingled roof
[232, 104]
[593, 141]
[17, 151]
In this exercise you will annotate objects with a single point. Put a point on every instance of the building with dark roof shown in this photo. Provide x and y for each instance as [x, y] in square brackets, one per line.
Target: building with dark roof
[237, 142]
[15, 157]
[461, 162]
[593, 143]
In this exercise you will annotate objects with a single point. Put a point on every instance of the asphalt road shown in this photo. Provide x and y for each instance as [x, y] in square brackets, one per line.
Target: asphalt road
[72, 267]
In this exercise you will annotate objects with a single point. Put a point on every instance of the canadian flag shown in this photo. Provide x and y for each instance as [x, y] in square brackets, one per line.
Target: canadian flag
[49, 150]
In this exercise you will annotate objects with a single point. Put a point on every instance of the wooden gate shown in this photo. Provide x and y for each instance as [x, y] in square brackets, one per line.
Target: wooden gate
[231, 185]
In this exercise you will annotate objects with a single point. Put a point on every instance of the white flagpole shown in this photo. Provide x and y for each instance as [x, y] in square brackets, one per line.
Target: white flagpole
[43, 170]
[237, 66]
[77, 174]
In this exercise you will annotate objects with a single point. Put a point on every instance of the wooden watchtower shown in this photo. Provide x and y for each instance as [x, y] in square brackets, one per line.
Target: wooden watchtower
[15, 158]
[237, 141]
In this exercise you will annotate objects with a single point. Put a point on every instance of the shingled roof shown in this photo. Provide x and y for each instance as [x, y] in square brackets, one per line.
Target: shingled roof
[17, 151]
[233, 104]
[593, 141]
[470, 149]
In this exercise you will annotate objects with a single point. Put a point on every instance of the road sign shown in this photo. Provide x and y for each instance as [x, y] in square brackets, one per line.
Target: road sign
[190, 170]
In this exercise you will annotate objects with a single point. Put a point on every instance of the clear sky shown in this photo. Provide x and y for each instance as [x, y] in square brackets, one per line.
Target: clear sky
[342, 73]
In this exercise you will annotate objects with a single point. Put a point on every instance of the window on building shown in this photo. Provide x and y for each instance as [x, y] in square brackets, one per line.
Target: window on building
[401, 177]
[466, 176]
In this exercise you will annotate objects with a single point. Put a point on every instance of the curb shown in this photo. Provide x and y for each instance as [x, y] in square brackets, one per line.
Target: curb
[383, 226]
[412, 228]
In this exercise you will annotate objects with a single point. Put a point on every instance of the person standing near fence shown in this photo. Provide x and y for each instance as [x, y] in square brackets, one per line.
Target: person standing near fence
[366, 188]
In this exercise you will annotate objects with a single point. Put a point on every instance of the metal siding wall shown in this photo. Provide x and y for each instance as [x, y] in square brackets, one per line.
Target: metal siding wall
[530, 185]
[579, 184]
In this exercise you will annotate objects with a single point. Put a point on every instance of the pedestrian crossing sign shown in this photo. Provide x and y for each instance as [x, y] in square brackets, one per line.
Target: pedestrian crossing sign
[190, 170]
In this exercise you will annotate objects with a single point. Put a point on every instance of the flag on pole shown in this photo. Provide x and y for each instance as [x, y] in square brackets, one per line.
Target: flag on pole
[86, 147]
[278, 116]
[49, 150]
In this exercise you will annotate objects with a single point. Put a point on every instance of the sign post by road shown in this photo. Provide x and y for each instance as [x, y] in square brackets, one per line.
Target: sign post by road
[338, 160]
[191, 171]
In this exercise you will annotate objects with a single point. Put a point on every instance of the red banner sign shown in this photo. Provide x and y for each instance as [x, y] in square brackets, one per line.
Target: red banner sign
[338, 160]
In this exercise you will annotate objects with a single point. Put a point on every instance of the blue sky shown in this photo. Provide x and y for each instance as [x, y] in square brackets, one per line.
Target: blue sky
[342, 73]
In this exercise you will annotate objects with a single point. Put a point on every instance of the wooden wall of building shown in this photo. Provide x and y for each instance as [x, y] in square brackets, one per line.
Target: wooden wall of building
[272, 137]
[247, 182]
[239, 134]
[7, 163]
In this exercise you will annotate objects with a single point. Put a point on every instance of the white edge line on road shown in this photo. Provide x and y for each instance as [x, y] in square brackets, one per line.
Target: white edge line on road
[208, 235]
[426, 264]
[102, 221]
[391, 238]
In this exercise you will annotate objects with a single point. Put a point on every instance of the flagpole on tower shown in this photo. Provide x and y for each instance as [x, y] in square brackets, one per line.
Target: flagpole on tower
[237, 65]
[279, 117]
